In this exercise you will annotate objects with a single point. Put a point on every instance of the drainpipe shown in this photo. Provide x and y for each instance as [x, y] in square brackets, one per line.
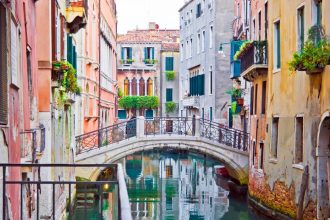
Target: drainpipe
[161, 84]
[99, 110]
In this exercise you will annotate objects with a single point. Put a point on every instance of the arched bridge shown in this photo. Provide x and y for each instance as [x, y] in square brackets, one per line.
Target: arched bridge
[117, 141]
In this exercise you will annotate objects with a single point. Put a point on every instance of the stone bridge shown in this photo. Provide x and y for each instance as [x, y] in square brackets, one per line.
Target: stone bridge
[112, 143]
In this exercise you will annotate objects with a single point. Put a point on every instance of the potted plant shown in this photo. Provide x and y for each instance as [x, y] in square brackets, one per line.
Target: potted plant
[315, 54]
[170, 75]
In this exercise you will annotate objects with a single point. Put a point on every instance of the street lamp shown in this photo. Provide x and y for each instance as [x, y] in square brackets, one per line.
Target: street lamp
[221, 52]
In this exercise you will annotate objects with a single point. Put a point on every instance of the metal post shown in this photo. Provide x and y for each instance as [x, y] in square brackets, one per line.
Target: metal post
[101, 200]
[21, 209]
[53, 201]
[4, 192]
[85, 203]
[69, 201]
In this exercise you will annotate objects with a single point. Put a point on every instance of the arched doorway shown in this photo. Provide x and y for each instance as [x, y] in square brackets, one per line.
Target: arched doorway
[323, 168]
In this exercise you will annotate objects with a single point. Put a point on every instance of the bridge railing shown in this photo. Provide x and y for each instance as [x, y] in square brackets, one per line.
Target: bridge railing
[228, 136]
[169, 125]
[105, 136]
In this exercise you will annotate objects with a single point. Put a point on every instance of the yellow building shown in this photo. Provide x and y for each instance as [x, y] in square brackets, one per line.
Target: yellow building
[297, 139]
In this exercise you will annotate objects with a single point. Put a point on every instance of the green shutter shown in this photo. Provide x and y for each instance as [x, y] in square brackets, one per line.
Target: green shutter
[153, 53]
[69, 49]
[149, 113]
[130, 53]
[278, 45]
[169, 95]
[169, 64]
[74, 58]
[230, 124]
[122, 114]
[122, 53]
[145, 53]
[211, 114]
[302, 27]
[319, 13]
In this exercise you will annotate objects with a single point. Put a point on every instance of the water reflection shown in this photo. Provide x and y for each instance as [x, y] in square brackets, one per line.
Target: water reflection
[168, 185]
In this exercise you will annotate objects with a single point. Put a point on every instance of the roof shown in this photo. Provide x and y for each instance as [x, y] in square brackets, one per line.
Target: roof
[167, 38]
[185, 4]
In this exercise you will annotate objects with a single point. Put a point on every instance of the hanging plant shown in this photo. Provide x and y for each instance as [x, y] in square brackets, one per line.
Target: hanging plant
[234, 107]
[315, 54]
[244, 47]
[235, 92]
[170, 75]
[170, 107]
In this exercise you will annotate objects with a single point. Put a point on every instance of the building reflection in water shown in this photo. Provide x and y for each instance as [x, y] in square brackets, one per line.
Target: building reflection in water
[173, 186]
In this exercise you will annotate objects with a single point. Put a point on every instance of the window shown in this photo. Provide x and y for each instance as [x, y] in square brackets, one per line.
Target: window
[181, 52]
[274, 144]
[187, 50]
[259, 25]
[149, 53]
[277, 45]
[149, 113]
[211, 114]
[126, 55]
[211, 80]
[122, 114]
[134, 86]
[196, 83]
[299, 140]
[149, 87]
[3, 68]
[254, 153]
[251, 99]
[142, 87]
[198, 10]
[261, 156]
[211, 37]
[263, 98]
[300, 28]
[191, 47]
[169, 95]
[198, 42]
[203, 114]
[266, 20]
[126, 87]
[203, 41]
[317, 12]
[256, 99]
[169, 66]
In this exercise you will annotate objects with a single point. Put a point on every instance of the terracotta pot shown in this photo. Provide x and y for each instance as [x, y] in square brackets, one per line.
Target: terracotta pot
[240, 101]
[315, 71]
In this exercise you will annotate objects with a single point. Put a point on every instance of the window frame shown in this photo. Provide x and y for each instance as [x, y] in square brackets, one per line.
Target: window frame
[300, 37]
[274, 146]
[277, 45]
[299, 159]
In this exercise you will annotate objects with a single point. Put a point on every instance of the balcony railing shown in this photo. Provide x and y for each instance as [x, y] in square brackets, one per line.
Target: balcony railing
[191, 101]
[32, 144]
[256, 54]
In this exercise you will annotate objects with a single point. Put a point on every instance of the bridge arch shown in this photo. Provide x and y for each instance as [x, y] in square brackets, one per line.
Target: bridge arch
[236, 161]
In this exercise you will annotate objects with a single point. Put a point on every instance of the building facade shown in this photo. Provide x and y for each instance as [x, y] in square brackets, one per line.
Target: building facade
[290, 174]
[203, 72]
[140, 65]
[96, 57]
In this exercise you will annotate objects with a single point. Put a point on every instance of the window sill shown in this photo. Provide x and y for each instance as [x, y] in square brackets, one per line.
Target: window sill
[273, 160]
[298, 166]
[276, 71]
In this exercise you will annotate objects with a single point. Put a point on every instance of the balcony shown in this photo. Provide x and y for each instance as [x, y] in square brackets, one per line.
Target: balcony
[32, 144]
[191, 102]
[254, 60]
[76, 16]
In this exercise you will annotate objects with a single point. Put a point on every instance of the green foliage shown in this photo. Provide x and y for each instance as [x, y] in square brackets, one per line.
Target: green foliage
[242, 49]
[150, 61]
[82, 179]
[234, 107]
[170, 107]
[120, 93]
[127, 61]
[314, 55]
[69, 80]
[170, 75]
[236, 93]
[139, 102]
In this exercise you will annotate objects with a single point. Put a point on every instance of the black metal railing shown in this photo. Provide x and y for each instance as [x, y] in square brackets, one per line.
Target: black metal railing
[105, 136]
[170, 125]
[256, 54]
[222, 134]
[33, 193]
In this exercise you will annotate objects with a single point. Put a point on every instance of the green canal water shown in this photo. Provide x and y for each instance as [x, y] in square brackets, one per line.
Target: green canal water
[183, 186]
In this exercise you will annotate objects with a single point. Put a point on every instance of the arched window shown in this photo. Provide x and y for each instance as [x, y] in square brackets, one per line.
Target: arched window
[149, 87]
[126, 87]
[134, 86]
[142, 87]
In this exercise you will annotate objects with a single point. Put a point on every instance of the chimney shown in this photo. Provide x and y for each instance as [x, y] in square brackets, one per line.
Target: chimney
[152, 25]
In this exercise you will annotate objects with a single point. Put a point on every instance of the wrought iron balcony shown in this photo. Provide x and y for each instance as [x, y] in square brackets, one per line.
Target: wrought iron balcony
[254, 60]
[191, 102]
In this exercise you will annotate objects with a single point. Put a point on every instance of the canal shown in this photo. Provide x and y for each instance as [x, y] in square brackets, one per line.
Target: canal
[180, 185]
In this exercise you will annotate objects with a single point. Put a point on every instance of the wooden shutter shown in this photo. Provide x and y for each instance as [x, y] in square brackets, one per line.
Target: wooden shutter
[74, 58]
[122, 53]
[169, 64]
[278, 45]
[152, 53]
[145, 53]
[130, 53]
[3, 69]
[169, 95]
[263, 101]
[69, 50]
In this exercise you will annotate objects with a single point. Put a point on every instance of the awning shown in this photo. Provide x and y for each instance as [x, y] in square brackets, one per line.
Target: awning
[75, 18]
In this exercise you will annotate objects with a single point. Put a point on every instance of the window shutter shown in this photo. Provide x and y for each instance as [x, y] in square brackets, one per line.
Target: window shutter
[69, 50]
[302, 27]
[122, 53]
[278, 45]
[153, 53]
[145, 53]
[74, 58]
[3, 69]
[130, 53]
[169, 64]
[211, 114]
[169, 95]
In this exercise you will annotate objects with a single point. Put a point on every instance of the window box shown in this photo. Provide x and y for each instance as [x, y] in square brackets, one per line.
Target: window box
[150, 61]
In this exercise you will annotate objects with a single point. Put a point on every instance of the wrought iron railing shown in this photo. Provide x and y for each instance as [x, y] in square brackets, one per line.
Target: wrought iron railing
[256, 54]
[105, 136]
[222, 134]
[170, 125]
[35, 194]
